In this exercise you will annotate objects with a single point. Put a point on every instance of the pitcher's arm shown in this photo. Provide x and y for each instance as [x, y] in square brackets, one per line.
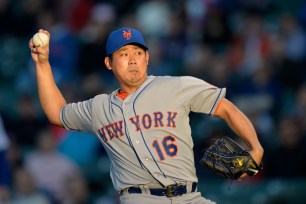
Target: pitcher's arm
[241, 126]
[50, 97]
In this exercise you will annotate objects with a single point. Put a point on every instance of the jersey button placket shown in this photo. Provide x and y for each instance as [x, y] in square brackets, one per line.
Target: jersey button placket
[136, 138]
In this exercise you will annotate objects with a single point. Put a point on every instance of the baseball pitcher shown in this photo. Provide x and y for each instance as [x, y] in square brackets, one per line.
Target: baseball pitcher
[144, 124]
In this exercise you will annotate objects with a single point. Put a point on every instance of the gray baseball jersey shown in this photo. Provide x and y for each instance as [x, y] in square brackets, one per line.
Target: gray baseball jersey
[147, 135]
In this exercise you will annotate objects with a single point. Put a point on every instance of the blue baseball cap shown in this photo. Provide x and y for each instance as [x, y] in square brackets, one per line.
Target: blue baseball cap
[122, 37]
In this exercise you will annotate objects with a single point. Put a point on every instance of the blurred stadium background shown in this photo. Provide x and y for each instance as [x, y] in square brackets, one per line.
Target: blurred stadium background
[254, 48]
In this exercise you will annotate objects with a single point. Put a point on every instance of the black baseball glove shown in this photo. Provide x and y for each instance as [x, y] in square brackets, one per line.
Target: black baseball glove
[229, 159]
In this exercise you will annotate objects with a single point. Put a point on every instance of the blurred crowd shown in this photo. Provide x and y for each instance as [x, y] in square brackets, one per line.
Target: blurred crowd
[256, 49]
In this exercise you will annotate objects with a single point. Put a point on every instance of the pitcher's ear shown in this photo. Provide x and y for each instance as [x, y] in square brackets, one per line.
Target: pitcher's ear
[107, 62]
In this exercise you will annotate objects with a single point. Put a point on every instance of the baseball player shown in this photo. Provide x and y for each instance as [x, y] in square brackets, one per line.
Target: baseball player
[144, 124]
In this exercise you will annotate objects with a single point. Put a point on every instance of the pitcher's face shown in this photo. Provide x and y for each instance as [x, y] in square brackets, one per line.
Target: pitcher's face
[129, 64]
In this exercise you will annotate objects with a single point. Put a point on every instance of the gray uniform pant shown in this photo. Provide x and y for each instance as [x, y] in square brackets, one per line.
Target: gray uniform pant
[189, 198]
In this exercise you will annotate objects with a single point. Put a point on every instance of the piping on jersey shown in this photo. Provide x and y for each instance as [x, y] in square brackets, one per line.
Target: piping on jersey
[216, 101]
[141, 130]
[63, 117]
[128, 135]
[63, 113]
[131, 144]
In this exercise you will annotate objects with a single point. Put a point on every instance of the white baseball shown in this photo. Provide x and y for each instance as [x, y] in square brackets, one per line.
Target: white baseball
[40, 39]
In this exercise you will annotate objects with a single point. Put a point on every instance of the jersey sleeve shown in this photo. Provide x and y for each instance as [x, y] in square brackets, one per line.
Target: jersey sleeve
[201, 96]
[77, 116]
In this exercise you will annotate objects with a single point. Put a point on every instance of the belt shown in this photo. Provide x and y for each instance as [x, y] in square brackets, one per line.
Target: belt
[169, 191]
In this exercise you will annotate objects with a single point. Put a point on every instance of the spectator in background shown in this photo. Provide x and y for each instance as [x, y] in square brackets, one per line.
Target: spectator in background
[48, 167]
[27, 123]
[260, 95]
[164, 30]
[293, 36]
[93, 37]
[293, 40]
[250, 45]
[216, 31]
[153, 17]
[77, 14]
[76, 190]
[64, 46]
[85, 156]
[25, 190]
[291, 146]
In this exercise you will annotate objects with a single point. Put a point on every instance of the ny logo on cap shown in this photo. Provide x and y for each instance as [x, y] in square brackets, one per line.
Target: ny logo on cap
[127, 34]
